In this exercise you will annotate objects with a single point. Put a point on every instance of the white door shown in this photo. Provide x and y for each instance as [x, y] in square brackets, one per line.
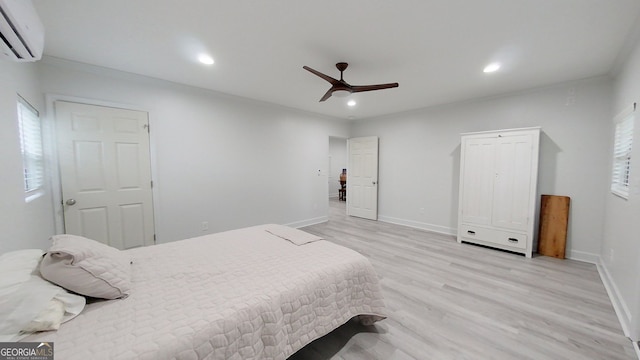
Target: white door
[105, 173]
[512, 186]
[477, 172]
[362, 177]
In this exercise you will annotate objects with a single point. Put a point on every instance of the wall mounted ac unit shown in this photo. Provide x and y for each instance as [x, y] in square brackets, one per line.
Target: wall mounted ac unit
[21, 31]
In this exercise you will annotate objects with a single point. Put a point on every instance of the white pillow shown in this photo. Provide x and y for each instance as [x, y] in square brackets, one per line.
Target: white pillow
[16, 267]
[87, 267]
[49, 318]
[26, 299]
[62, 308]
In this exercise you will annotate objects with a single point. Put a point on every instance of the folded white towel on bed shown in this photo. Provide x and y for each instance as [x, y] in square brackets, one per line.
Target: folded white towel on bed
[295, 236]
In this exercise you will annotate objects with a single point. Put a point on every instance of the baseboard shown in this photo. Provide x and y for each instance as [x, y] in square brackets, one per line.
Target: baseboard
[583, 256]
[418, 225]
[308, 222]
[620, 307]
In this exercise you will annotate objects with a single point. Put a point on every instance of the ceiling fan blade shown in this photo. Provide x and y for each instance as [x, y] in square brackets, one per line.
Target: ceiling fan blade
[327, 95]
[318, 73]
[361, 88]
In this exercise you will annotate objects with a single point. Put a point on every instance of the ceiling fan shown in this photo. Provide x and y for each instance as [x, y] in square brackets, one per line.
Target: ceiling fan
[341, 87]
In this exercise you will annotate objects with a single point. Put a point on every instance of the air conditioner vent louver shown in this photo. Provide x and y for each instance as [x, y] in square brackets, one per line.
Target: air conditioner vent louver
[21, 31]
[6, 43]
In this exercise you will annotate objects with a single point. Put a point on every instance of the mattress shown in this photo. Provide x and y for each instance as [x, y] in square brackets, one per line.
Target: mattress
[241, 294]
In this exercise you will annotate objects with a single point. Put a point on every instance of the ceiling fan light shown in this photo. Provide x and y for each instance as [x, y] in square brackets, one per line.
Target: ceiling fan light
[341, 93]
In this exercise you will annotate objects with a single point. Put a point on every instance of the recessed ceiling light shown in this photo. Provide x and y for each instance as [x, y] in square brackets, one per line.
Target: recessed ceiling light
[351, 103]
[493, 67]
[205, 59]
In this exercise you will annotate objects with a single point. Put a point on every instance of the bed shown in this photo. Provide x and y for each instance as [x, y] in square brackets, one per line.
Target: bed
[262, 292]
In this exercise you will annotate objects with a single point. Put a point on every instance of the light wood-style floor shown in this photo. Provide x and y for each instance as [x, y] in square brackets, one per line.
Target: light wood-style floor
[458, 301]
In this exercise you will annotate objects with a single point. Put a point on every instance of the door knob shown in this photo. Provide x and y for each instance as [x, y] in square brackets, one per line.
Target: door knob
[373, 182]
[71, 202]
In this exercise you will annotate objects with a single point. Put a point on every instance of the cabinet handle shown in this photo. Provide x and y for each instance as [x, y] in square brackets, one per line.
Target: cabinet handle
[513, 239]
[471, 232]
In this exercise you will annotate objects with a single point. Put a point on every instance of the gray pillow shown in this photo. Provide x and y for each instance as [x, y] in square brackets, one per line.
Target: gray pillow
[87, 267]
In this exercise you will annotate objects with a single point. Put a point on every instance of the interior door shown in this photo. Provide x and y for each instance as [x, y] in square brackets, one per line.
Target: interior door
[362, 177]
[105, 172]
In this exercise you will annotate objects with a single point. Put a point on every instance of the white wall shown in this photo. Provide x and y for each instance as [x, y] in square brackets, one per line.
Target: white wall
[22, 224]
[420, 155]
[621, 246]
[338, 155]
[226, 160]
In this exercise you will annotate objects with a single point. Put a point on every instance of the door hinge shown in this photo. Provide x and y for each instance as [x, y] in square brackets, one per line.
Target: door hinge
[152, 184]
[146, 126]
[154, 238]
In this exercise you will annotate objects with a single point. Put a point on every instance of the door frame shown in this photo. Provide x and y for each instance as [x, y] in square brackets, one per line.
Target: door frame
[51, 151]
[330, 159]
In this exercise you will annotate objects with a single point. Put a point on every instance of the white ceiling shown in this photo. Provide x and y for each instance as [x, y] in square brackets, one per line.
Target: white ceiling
[435, 49]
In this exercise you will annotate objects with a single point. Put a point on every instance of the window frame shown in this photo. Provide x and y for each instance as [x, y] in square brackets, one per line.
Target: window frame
[31, 147]
[621, 152]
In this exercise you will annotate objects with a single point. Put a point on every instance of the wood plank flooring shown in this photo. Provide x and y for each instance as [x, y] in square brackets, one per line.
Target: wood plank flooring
[459, 301]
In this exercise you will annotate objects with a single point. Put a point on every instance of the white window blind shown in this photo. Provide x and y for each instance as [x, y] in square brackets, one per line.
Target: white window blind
[622, 153]
[31, 146]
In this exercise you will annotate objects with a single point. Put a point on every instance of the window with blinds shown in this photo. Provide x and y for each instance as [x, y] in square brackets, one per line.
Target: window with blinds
[622, 153]
[31, 146]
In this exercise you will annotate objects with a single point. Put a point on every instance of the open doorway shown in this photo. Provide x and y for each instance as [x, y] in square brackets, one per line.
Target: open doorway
[337, 164]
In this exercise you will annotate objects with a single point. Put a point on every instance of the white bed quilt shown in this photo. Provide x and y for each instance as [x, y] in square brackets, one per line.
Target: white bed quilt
[241, 294]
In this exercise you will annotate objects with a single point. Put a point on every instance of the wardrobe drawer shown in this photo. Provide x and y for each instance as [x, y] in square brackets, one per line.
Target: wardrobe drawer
[506, 238]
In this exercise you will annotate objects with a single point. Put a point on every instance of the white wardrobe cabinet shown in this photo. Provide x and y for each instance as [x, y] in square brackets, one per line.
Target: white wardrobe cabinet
[498, 178]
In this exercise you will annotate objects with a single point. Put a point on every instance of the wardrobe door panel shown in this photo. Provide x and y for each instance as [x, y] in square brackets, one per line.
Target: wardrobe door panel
[477, 184]
[513, 182]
